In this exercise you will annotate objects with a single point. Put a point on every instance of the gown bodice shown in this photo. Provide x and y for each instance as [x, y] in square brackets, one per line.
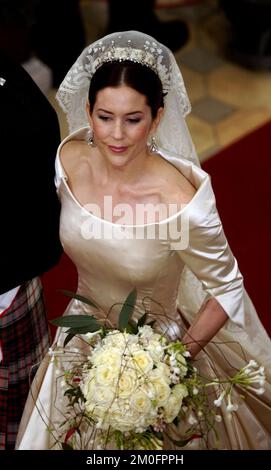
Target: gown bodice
[112, 259]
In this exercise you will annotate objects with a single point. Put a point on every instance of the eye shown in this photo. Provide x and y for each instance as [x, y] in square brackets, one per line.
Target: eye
[134, 121]
[104, 118]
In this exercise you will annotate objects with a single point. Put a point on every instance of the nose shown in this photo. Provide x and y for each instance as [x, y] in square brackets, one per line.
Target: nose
[118, 131]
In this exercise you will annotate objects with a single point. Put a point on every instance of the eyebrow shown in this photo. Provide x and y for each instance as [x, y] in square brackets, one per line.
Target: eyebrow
[127, 114]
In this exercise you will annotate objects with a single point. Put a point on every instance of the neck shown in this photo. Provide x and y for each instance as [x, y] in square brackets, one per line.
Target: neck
[129, 173]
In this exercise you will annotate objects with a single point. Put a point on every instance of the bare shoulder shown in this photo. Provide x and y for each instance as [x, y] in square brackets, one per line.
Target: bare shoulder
[176, 187]
[70, 154]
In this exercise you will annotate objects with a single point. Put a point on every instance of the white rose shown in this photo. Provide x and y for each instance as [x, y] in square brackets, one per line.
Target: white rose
[162, 370]
[156, 350]
[142, 361]
[161, 390]
[119, 340]
[141, 402]
[126, 383]
[174, 403]
[106, 375]
[146, 332]
[172, 408]
[109, 357]
[122, 418]
[98, 412]
[103, 395]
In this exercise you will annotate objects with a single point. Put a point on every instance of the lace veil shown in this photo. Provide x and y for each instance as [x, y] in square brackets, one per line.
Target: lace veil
[172, 134]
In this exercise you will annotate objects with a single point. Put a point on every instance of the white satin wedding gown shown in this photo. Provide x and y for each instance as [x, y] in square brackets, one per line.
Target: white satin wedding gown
[164, 274]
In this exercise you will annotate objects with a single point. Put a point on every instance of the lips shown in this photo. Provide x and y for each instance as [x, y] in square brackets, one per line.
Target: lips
[117, 149]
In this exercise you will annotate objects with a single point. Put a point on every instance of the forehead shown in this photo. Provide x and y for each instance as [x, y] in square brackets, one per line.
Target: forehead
[122, 97]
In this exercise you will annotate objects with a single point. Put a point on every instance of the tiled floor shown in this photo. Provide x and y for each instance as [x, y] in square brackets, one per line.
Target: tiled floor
[227, 100]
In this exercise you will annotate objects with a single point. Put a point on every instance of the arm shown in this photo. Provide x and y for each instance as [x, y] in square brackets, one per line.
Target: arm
[209, 257]
[208, 322]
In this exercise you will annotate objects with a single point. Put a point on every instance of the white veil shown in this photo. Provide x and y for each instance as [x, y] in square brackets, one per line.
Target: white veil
[172, 133]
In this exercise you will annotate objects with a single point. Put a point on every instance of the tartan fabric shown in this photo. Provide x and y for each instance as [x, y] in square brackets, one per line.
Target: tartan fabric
[24, 338]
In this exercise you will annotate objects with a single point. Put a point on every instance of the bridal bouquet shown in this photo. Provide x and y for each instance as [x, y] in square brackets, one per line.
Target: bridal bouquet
[131, 386]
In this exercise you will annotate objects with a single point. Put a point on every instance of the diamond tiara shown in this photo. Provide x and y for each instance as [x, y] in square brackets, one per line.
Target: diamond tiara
[151, 56]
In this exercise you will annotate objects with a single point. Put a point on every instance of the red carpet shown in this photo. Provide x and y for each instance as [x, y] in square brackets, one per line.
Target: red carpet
[241, 177]
[62, 276]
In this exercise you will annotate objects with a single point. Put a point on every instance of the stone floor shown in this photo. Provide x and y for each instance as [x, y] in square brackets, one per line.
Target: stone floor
[227, 100]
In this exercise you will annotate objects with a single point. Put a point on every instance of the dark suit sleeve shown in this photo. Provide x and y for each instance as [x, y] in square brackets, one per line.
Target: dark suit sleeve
[29, 206]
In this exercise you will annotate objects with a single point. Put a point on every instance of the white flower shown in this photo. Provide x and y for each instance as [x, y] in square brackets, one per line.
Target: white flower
[141, 402]
[192, 419]
[111, 357]
[258, 391]
[218, 418]
[127, 383]
[106, 374]
[103, 395]
[231, 406]
[90, 336]
[252, 363]
[123, 340]
[142, 361]
[161, 390]
[162, 371]
[182, 365]
[186, 354]
[155, 349]
[180, 391]
[172, 360]
[218, 401]
[133, 383]
[172, 408]
[146, 332]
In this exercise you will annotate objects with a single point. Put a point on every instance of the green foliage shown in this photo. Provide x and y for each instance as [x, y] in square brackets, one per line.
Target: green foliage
[127, 310]
[83, 299]
[77, 321]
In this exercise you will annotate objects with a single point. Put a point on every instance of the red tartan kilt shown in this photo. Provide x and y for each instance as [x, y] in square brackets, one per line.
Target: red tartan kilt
[24, 338]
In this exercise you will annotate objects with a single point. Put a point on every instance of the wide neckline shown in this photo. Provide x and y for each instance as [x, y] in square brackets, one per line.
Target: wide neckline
[170, 159]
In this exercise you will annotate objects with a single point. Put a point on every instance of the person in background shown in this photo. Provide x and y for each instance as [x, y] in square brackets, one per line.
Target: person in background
[140, 16]
[58, 35]
[51, 31]
[29, 235]
[16, 21]
[250, 37]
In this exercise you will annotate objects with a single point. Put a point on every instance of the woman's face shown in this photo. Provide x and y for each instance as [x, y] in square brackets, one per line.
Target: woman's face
[121, 121]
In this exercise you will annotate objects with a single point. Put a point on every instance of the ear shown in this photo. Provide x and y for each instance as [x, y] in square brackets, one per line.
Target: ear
[89, 114]
[157, 119]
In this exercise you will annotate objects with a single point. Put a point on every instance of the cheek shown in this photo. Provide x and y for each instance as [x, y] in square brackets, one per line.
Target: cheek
[100, 130]
[141, 133]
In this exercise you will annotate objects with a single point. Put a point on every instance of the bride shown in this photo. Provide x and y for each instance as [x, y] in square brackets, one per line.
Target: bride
[139, 212]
